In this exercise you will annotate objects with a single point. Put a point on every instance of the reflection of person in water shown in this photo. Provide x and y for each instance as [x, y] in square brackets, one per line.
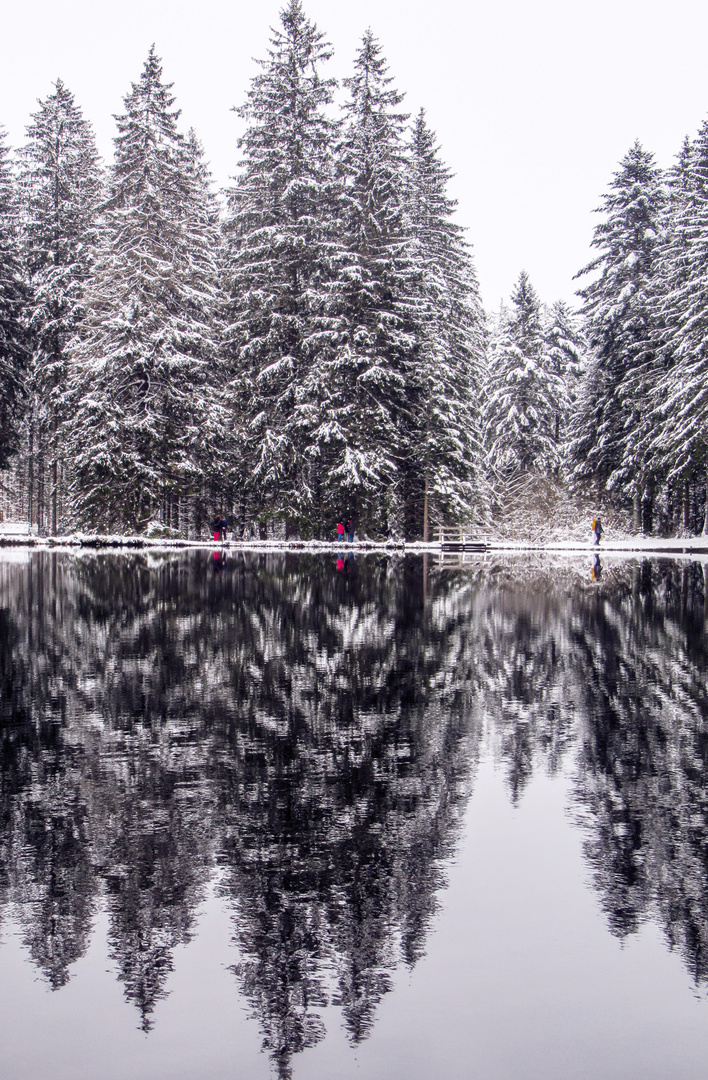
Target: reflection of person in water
[340, 563]
[219, 561]
[596, 568]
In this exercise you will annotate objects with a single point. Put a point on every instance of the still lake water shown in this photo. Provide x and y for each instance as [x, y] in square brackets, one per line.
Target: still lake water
[271, 818]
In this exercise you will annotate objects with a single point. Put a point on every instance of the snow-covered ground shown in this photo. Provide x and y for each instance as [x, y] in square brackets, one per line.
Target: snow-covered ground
[609, 543]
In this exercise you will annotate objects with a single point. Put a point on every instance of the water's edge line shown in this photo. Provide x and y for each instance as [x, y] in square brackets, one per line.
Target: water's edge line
[689, 545]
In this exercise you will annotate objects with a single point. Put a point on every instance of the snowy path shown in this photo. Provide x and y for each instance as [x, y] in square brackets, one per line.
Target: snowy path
[691, 545]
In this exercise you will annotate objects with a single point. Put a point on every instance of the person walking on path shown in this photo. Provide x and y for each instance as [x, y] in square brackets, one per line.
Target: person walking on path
[340, 530]
[350, 530]
[596, 531]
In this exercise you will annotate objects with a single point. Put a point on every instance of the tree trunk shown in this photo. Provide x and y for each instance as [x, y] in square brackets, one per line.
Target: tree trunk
[705, 519]
[648, 510]
[637, 513]
[55, 484]
[30, 486]
[425, 511]
[41, 496]
[686, 502]
[55, 474]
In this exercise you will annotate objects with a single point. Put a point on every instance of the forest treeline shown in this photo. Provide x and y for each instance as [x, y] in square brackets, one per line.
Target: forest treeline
[311, 344]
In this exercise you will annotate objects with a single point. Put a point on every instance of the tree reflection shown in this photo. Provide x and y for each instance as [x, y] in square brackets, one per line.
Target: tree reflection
[644, 755]
[308, 735]
[310, 738]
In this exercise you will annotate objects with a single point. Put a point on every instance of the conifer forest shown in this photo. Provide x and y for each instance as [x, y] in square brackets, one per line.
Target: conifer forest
[311, 344]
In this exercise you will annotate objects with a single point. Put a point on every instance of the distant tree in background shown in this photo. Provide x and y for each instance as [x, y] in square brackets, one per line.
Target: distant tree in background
[522, 430]
[61, 193]
[567, 350]
[13, 313]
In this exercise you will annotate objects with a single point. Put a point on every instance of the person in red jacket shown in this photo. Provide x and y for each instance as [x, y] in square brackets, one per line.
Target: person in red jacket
[340, 530]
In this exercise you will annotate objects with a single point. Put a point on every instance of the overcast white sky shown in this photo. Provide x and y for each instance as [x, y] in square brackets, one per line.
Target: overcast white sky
[534, 103]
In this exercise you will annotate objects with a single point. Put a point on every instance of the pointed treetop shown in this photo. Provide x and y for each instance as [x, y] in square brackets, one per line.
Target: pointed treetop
[370, 84]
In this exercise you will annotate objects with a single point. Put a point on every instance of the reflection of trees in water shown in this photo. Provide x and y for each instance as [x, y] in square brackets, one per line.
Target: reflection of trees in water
[314, 736]
[308, 733]
[644, 755]
[620, 669]
[522, 673]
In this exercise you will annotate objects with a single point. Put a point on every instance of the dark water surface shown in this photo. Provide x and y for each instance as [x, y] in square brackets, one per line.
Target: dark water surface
[272, 817]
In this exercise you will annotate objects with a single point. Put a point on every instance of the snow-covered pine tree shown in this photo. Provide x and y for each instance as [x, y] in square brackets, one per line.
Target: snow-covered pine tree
[681, 412]
[444, 454]
[609, 443]
[524, 386]
[142, 362]
[13, 303]
[671, 266]
[201, 274]
[566, 349]
[283, 257]
[61, 188]
[362, 431]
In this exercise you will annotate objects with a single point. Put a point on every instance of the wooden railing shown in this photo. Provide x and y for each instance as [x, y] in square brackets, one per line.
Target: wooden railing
[458, 539]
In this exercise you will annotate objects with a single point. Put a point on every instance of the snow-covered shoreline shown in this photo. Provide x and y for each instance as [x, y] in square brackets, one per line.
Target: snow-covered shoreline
[626, 545]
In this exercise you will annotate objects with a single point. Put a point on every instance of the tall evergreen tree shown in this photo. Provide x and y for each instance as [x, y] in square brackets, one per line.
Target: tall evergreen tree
[370, 378]
[444, 453]
[13, 299]
[520, 412]
[619, 312]
[61, 183]
[681, 412]
[204, 299]
[445, 443]
[283, 255]
[142, 362]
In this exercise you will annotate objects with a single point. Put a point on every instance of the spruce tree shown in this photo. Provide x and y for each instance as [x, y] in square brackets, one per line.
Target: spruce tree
[443, 427]
[13, 301]
[61, 184]
[620, 319]
[201, 274]
[681, 409]
[142, 362]
[283, 256]
[524, 388]
[370, 381]
[566, 349]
